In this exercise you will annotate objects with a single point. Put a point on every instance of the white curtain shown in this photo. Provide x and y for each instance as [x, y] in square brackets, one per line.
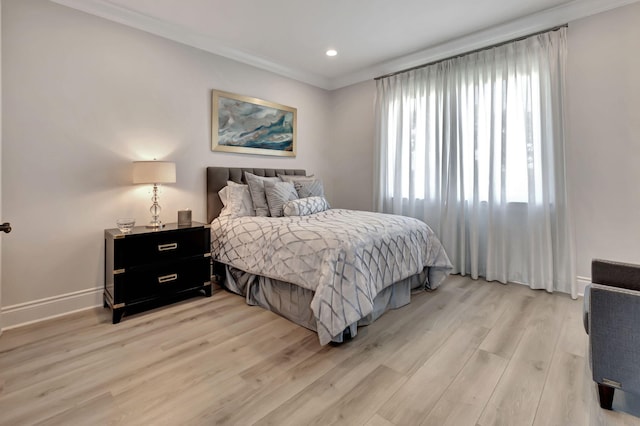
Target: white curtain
[474, 146]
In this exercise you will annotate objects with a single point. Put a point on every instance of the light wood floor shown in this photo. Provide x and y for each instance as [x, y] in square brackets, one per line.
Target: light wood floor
[469, 353]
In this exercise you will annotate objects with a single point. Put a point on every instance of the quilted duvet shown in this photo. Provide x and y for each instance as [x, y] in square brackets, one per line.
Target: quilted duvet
[346, 257]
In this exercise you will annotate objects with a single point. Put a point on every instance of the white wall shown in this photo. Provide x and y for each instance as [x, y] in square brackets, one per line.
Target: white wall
[352, 129]
[604, 135]
[83, 98]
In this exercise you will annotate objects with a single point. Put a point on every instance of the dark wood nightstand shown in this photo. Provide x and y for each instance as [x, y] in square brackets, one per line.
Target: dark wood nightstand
[147, 265]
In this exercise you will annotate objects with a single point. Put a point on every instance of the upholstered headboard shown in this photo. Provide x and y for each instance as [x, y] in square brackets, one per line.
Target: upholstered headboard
[217, 178]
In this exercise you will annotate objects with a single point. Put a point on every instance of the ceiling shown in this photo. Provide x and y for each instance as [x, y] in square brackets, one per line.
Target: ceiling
[372, 37]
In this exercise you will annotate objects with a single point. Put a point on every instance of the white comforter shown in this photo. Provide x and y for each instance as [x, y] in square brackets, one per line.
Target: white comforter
[346, 257]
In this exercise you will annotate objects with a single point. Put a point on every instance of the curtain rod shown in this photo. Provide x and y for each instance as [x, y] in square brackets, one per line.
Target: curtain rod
[502, 43]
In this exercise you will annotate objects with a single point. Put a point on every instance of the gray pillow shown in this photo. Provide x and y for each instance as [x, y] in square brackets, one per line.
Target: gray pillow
[277, 194]
[256, 188]
[305, 206]
[295, 178]
[312, 188]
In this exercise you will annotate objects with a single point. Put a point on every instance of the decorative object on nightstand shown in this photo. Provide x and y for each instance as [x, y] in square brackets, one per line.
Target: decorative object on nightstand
[149, 265]
[125, 225]
[154, 172]
[184, 217]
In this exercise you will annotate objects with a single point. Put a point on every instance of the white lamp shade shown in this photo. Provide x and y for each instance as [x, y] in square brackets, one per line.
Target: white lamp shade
[154, 172]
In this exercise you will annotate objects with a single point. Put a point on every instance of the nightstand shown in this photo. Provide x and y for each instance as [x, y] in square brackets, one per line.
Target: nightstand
[148, 265]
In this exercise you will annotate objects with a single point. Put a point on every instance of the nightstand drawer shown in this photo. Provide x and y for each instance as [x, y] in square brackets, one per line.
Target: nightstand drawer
[135, 250]
[157, 280]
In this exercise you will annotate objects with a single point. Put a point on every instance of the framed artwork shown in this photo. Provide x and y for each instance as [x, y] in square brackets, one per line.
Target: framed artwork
[252, 126]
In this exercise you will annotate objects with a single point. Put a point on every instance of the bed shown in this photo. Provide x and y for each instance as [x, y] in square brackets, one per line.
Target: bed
[330, 271]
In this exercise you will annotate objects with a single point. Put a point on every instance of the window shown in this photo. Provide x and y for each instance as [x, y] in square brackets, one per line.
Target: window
[482, 107]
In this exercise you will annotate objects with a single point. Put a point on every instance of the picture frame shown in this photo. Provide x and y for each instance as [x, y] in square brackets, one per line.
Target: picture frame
[242, 124]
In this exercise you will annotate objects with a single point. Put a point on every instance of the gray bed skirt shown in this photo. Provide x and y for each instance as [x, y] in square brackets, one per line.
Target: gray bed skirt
[294, 303]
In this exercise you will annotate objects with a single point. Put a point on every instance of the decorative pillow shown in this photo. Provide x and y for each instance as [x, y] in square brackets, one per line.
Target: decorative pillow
[277, 194]
[256, 188]
[237, 200]
[312, 188]
[305, 206]
[224, 194]
[295, 178]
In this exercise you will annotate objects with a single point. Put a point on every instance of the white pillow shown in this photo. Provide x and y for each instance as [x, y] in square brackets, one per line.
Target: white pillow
[224, 194]
[237, 200]
[305, 206]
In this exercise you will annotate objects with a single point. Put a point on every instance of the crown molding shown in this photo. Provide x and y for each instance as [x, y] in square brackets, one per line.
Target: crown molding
[559, 15]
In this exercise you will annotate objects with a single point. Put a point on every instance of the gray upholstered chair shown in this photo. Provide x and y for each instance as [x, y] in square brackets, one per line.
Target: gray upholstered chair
[612, 320]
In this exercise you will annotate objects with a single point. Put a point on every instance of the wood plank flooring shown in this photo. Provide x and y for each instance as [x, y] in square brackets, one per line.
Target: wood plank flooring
[470, 353]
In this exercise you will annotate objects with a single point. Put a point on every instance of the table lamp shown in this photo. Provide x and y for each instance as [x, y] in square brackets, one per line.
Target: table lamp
[154, 172]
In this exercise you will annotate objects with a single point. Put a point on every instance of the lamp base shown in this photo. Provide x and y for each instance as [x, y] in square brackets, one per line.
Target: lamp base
[155, 224]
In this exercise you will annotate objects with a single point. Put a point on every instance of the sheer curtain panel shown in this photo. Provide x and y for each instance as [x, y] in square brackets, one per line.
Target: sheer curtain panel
[474, 146]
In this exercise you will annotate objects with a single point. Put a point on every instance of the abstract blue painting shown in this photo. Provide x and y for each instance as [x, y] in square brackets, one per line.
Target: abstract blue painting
[249, 125]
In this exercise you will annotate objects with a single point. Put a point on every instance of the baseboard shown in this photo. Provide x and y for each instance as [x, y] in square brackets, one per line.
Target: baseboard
[39, 310]
[582, 283]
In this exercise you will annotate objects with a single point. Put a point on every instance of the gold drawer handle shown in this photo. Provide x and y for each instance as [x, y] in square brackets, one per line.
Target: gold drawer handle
[165, 247]
[167, 278]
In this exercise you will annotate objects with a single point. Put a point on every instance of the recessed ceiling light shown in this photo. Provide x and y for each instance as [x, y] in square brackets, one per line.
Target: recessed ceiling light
[332, 52]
